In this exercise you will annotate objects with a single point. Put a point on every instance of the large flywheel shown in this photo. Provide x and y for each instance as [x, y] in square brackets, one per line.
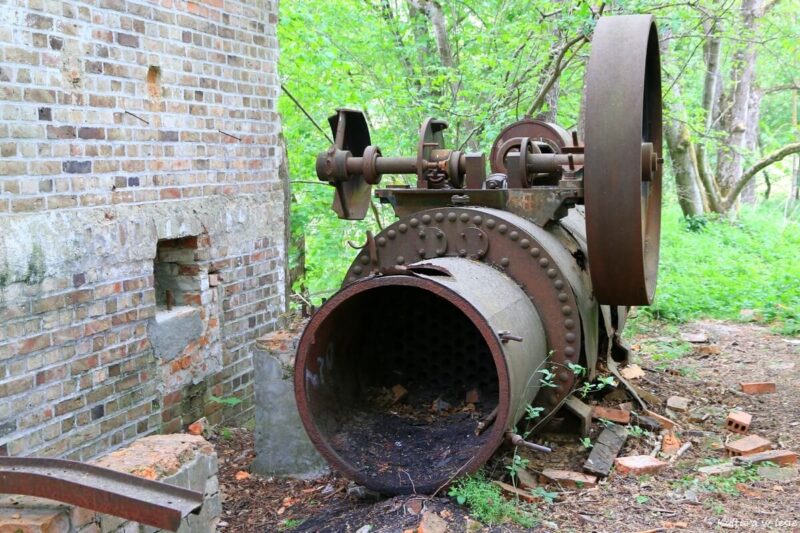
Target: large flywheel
[623, 192]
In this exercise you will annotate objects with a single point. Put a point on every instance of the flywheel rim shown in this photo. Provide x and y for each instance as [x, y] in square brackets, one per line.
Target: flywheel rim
[623, 206]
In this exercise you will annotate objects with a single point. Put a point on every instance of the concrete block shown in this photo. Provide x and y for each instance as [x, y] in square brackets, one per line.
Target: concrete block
[282, 445]
[171, 331]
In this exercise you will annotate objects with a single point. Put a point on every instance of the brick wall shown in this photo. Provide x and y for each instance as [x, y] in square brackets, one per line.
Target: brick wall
[125, 123]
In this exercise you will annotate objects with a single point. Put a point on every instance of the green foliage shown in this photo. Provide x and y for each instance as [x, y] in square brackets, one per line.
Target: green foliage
[642, 499]
[487, 504]
[729, 267]
[517, 464]
[227, 401]
[637, 432]
[226, 433]
[544, 494]
[720, 484]
[587, 442]
[289, 523]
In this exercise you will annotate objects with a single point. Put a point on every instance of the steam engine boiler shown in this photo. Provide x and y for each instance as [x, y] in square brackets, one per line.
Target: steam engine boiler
[510, 285]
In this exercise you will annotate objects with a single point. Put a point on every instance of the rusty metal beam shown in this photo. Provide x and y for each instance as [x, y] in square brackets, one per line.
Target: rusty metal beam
[99, 489]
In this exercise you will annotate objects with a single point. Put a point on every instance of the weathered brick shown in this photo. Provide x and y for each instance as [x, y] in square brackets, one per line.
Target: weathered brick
[639, 465]
[100, 133]
[77, 167]
[761, 387]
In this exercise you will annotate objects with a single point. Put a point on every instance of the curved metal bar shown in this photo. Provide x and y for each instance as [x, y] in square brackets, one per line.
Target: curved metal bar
[99, 489]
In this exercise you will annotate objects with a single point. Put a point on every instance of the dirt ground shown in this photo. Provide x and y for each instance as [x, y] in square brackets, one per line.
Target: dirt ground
[678, 498]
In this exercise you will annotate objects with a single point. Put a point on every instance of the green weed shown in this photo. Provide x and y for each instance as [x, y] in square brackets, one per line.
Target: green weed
[487, 504]
[720, 484]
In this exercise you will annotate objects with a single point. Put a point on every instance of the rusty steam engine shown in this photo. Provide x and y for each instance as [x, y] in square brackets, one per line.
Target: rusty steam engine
[486, 282]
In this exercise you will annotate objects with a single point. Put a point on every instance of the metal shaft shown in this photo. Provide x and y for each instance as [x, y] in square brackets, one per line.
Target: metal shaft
[547, 163]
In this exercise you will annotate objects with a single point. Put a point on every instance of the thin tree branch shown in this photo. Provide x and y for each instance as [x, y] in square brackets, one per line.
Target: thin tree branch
[768, 160]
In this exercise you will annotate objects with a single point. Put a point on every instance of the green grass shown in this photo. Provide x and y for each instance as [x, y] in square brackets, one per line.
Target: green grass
[720, 268]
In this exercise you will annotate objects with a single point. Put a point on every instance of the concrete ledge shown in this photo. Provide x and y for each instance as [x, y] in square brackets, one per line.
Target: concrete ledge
[186, 461]
[170, 332]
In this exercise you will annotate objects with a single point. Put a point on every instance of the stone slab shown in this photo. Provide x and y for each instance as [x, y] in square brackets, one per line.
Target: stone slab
[282, 445]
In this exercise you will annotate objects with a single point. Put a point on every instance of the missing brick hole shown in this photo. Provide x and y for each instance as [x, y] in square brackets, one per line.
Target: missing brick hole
[154, 82]
[177, 273]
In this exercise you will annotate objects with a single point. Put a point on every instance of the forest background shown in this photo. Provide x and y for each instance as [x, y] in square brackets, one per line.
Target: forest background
[730, 82]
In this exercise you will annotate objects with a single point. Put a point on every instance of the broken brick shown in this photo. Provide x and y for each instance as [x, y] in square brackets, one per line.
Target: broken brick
[670, 443]
[779, 457]
[399, 393]
[678, 403]
[747, 446]
[738, 421]
[639, 465]
[663, 421]
[567, 478]
[615, 415]
[759, 387]
[472, 396]
[632, 372]
[197, 428]
[711, 349]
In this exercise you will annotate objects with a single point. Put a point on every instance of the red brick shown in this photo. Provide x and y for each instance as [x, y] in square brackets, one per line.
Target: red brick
[663, 421]
[615, 415]
[92, 133]
[639, 465]
[567, 478]
[760, 387]
[670, 444]
[779, 457]
[170, 193]
[33, 344]
[747, 446]
[738, 421]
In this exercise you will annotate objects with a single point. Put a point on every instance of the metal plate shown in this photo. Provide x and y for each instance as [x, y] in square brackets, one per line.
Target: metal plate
[351, 133]
[623, 110]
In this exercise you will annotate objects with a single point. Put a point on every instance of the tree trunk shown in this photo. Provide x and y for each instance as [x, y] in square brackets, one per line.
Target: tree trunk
[684, 166]
[751, 141]
[730, 162]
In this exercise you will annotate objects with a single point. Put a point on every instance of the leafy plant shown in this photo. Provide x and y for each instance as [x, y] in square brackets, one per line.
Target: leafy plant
[544, 494]
[289, 523]
[517, 464]
[642, 499]
[228, 401]
[637, 432]
[587, 442]
[487, 504]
